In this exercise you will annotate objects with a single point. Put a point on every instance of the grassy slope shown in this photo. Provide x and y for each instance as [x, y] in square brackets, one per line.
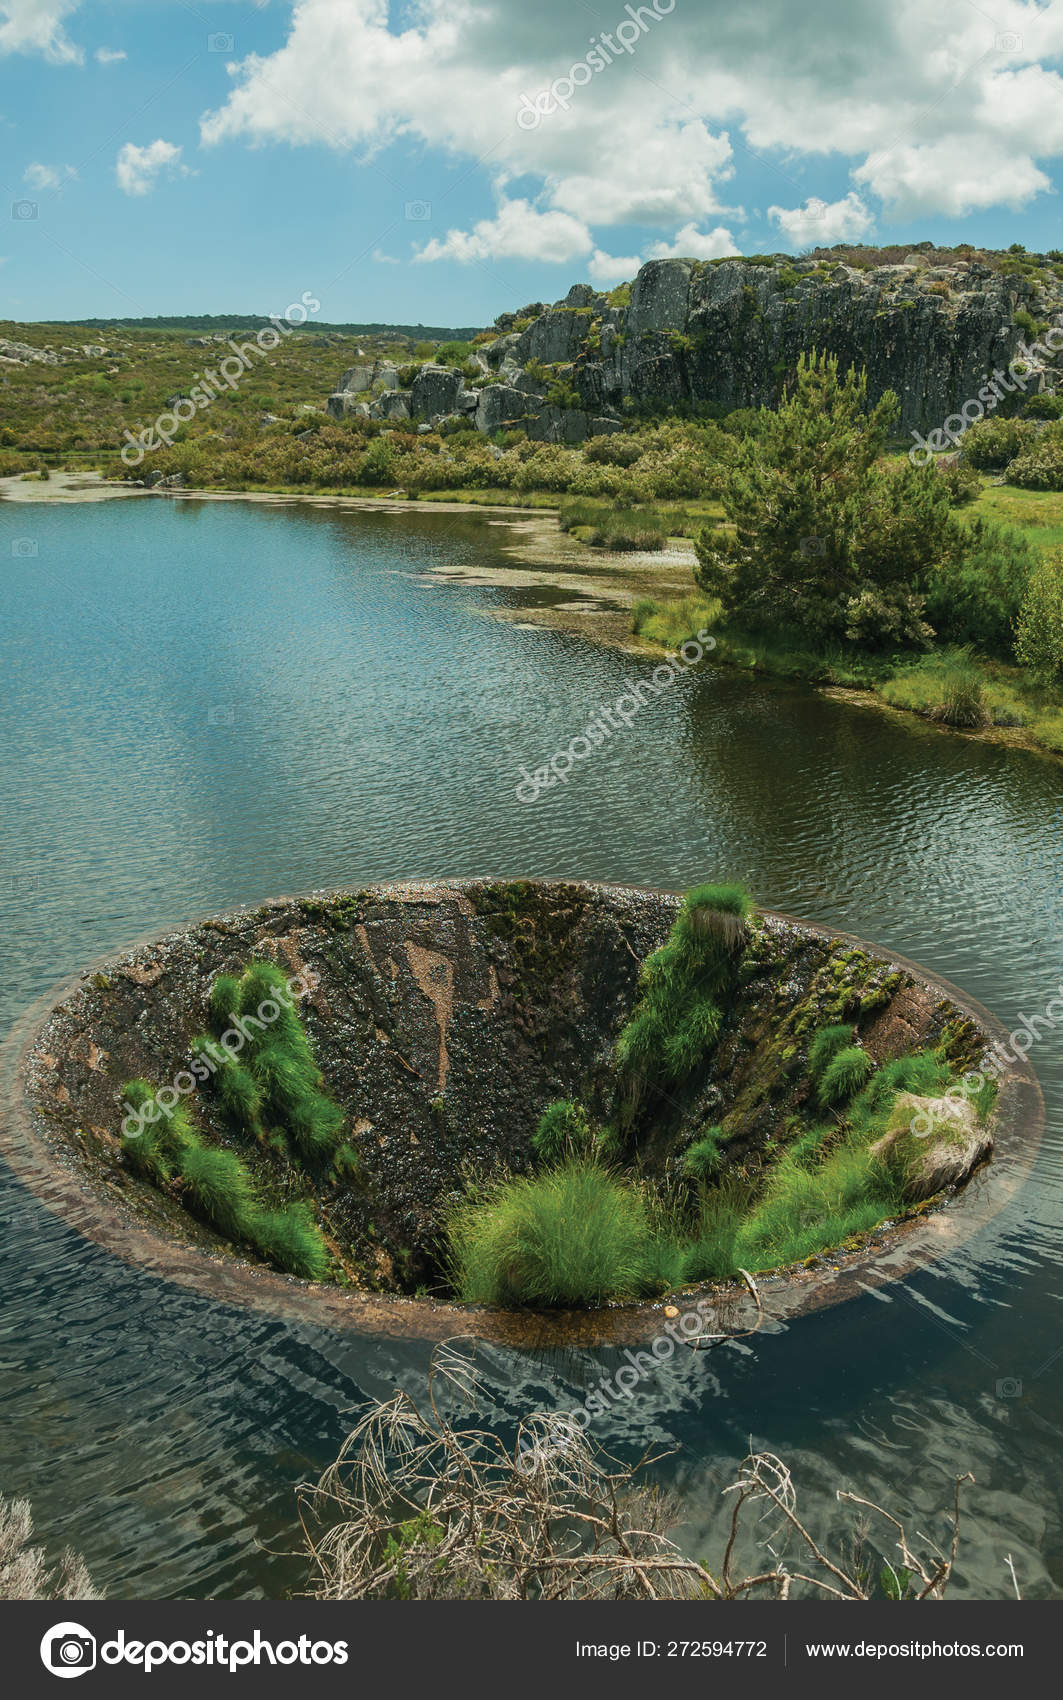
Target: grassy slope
[74, 414]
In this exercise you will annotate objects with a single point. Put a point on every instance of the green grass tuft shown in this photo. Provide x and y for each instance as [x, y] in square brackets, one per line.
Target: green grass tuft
[826, 1045]
[574, 1235]
[218, 1188]
[844, 1075]
[291, 1239]
[702, 1159]
[712, 1254]
[682, 985]
[563, 1131]
[240, 1095]
[224, 1001]
[803, 1213]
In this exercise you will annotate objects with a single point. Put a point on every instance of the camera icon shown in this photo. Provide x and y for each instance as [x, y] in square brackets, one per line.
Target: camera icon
[1008, 43]
[220, 43]
[23, 547]
[1009, 1388]
[68, 1650]
[420, 210]
[23, 209]
[813, 546]
[223, 714]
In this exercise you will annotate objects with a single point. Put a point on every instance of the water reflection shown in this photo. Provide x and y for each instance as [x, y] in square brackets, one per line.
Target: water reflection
[206, 703]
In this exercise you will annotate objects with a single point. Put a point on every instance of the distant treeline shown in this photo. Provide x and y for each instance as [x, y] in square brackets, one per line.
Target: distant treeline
[208, 323]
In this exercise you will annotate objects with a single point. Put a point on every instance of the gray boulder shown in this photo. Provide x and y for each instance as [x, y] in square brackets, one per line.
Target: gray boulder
[356, 378]
[393, 404]
[553, 337]
[560, 425]
[659, 297]
[342, 403]
[386, 378]
[944, 1157]
[435, 390]
[498, 405]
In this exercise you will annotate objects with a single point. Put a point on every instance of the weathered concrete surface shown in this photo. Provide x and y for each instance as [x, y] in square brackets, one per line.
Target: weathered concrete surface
[446, 1017]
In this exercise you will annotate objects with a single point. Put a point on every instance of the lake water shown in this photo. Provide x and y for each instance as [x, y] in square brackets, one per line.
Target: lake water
[208, 703]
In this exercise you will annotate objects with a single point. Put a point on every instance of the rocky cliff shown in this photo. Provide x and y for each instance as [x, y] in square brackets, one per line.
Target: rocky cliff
[727, 334]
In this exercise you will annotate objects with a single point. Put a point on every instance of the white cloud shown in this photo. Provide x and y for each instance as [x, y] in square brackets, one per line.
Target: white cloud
[37, 176]
[693, 244]
[673, 177]
[517, 232]
[951, 177]
[612, 268]
[820, 223]
[109, 55]
[940, 112]
[36, 26]
[383, 259]
[138, 168]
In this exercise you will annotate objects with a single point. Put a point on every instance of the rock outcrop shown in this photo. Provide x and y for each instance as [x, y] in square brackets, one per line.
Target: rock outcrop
[943, 1156]
[728, 334]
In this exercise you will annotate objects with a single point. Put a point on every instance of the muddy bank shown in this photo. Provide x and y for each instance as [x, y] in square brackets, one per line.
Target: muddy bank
[446, 1017]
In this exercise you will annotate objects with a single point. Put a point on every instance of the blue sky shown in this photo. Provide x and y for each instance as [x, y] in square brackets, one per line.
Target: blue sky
[445, 160]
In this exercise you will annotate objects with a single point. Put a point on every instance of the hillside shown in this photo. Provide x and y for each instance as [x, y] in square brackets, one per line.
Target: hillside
[716, 336]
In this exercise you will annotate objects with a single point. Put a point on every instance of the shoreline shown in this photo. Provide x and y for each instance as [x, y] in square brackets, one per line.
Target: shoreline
[596, 589]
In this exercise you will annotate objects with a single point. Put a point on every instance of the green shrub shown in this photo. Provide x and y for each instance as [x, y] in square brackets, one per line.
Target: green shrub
[994, 442]
[825, 1047]
[844, 1075]
[1041, 469]
[961, 481]
[563, 1131]
[290, 1239]
[974, 594]
[1039, 628]
[702, 1159]
[618, 449]
[1047, 404]
[573, 1235]
[218, 1188]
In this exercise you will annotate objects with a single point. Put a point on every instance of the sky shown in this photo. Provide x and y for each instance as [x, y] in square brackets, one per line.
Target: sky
[442, 161]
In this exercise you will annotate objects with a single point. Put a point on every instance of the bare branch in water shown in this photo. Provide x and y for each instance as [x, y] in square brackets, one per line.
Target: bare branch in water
[422, 1506]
